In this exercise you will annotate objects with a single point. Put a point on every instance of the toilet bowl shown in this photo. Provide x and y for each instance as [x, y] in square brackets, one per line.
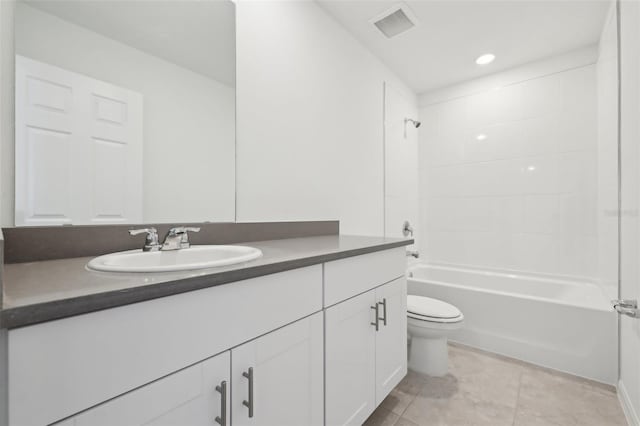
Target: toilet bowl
[429, 323]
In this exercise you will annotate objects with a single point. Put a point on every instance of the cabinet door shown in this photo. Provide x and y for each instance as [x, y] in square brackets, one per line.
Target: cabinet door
[391, 339]
[277, 378]
[187, 397]
[350, 360]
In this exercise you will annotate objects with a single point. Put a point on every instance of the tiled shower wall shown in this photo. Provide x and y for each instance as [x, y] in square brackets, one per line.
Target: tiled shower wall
[509, 176]
[607, 75]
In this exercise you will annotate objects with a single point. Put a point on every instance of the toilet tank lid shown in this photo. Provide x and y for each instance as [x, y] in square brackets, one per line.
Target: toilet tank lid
[428, 307]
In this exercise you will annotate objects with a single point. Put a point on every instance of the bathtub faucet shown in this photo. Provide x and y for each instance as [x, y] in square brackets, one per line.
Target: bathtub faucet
[413, 253]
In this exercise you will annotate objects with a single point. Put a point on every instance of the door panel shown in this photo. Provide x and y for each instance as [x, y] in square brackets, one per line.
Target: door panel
[78, 148]
[391, 340]
[287, 376]
[350, 360]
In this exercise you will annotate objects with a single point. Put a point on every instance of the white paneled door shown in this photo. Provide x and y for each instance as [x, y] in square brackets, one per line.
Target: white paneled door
[391, 340]
[278, 378]
[78, 148]
[350, 359]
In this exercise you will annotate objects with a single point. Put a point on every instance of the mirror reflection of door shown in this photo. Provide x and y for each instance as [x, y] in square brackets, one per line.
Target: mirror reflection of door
[78, 148]
[118, 122]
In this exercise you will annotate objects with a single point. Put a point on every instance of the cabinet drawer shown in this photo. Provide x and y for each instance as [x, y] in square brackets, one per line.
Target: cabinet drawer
[65, 366]
[187, 397]
[345, 278]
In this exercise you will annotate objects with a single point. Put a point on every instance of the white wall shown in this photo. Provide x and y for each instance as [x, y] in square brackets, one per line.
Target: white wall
[607, 154]
[189, 123]
[629, 386]
[524, 198]
[7, 71]
[400, 164]
[310, 119]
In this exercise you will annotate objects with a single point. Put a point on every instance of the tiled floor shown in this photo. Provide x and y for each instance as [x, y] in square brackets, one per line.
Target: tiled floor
[486, 389]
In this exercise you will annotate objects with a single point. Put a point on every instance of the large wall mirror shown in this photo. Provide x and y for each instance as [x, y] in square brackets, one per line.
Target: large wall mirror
[125, 112]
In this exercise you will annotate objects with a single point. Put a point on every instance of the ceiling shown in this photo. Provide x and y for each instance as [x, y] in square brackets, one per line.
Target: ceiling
[441, 50]
[195, 34]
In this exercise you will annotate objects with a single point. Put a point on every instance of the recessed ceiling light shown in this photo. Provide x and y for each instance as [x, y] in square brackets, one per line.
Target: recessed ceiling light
[485, 59]
[481, 137]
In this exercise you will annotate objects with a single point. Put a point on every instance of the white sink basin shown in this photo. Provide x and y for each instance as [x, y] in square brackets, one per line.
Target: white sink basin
[194, 257]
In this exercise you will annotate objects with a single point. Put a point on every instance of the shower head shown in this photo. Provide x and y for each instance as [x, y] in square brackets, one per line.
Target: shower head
[415, 123]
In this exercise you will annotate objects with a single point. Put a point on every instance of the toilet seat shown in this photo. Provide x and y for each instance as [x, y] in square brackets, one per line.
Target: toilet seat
[432, 310]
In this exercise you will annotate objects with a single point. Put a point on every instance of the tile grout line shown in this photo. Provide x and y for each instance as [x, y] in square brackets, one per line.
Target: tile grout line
[413, 398]
[515, 411]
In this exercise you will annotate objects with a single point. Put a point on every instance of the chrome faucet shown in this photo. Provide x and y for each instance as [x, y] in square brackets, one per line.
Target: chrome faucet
[413, 253]
[151, 242]
[178, 238]
[407, 229]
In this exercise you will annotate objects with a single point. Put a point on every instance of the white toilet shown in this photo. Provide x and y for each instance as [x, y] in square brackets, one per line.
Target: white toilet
[430, 321]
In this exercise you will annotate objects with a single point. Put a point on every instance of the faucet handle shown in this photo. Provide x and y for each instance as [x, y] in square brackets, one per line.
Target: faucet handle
[181, 232]
[151, 242]
[190, 229]
[407, 229]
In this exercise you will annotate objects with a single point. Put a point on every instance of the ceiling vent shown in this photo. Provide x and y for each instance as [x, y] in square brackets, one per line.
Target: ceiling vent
[395, 21]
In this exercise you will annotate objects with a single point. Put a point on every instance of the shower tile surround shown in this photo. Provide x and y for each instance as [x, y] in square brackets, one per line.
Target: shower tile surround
[509, 176]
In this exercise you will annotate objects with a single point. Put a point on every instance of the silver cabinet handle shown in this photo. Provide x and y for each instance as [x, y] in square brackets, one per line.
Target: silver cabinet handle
[249, 403]
[222, 418]
[375, 308]
[384, 311]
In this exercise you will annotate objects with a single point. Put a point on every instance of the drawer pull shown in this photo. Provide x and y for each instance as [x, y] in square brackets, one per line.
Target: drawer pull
[222, 418]
[377, 311]
[384, 311]
[249, 403]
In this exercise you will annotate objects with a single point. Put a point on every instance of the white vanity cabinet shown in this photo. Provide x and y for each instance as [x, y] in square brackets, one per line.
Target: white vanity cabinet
[66, 366]
[295, 348]
[277, 378]
[391, 338]
[350, 360]
[193, 396]
[365, 335]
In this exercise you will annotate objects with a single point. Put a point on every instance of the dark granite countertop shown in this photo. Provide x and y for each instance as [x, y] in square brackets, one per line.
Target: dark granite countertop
[36, 292]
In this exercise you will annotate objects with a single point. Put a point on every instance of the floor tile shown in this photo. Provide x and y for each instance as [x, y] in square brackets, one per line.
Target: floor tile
[405, 422]
[486, 389]
[400, 397]
[553, 399]
[485, 378]
[457, 410]
[381, 417]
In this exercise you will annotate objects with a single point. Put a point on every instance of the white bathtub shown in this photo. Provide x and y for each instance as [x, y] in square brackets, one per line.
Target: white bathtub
[556, 323]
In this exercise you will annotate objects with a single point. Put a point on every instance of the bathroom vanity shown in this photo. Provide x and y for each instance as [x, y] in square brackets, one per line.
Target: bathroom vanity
[312, 333]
